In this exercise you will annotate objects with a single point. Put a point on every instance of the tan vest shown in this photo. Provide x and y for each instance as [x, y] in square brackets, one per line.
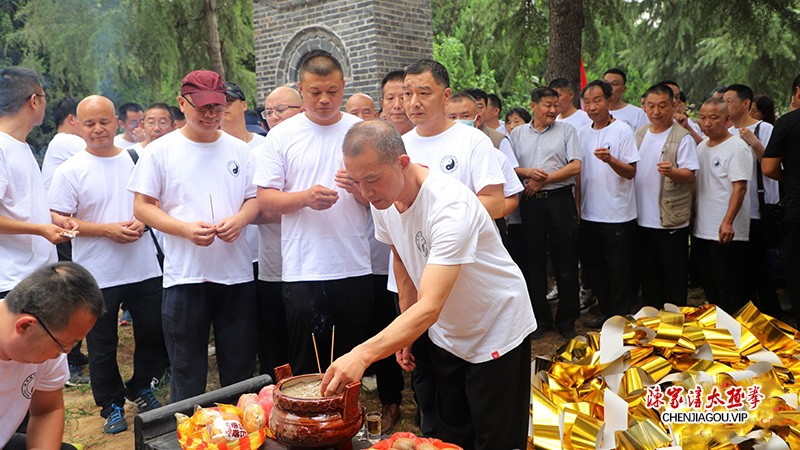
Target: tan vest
[674, 199]
[495, 136]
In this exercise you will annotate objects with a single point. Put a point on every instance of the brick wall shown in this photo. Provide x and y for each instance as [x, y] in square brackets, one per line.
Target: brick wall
[369, 37]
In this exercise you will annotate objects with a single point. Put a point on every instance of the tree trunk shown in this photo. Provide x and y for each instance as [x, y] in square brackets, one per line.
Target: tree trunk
[566, 29]
[212, 37]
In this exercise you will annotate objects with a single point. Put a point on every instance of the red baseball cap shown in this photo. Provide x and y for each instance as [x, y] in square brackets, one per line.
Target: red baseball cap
[206, 87]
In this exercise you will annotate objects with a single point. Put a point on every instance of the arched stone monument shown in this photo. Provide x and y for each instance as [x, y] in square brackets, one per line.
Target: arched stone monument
[368, 37]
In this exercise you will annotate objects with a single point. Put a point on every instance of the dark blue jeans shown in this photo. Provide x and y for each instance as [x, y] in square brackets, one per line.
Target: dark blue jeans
[188, 311]
[143, 300]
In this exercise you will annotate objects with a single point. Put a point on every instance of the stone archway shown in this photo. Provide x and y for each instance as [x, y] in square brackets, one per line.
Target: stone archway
[304, 41]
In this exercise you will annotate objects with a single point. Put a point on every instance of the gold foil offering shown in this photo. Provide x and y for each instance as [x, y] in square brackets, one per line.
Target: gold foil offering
[750, 358]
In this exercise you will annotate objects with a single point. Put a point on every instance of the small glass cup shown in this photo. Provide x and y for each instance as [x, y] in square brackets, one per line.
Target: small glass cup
[374, 426]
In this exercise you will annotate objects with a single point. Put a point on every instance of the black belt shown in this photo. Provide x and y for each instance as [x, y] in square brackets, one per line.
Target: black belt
[553, 192]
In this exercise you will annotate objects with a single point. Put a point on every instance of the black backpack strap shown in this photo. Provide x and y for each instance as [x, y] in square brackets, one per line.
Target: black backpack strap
[159, 252]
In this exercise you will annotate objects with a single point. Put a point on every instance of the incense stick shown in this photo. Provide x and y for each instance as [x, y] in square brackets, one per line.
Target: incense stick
[333, 336]
[211, 202]
[315, 352]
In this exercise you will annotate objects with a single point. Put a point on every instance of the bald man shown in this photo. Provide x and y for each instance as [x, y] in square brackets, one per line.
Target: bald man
[283, 102]
[124, 265]
[361, 105]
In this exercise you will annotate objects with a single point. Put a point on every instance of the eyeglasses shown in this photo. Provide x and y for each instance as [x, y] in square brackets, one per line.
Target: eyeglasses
[214, 107]
[44, 327]
[46, 97]
[280, 109]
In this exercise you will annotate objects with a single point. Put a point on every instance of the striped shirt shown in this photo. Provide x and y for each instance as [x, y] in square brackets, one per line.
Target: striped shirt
[549, 150]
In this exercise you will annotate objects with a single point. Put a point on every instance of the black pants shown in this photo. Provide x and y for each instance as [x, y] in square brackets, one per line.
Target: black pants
[607, 250]
[552, 221]
[663, 263]
[143, 300]
[315, 307]
[760, 287]
[483, 406]
[424, 382]
[272, 335]
[722, 266]
[187, 312]
[387, 372]
[790, 254]
[20, 442]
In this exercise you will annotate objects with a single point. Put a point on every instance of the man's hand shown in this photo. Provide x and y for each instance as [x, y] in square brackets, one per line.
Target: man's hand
[346, 369]
[138, 134]
[603, 154]
[56, 234]
[725, 233]
[748, 136]
[200, 233]
[532, 187]
[320, 198]
[406, 359]
[343, 181]
[65, 222]
[537, 174]
[230, 228]
[665, 168]
[137, 225]
[121, 233]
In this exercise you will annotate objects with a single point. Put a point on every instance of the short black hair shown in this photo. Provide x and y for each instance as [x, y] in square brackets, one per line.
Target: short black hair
[177, 114]
[162, 106]
[742, 92]
[55, 292]
[395, 75]
[320, 63]
[17, 85]
[63, 107]
[463, 95]
[436, 69]
[541, 92]
[674, 83]
[720, 90]
[495, 101]
[526, 116]
[604, 86]
[478, 94]
[617, 71]
[661, 89]
[561, 83]
[795, 84]
[126, 108]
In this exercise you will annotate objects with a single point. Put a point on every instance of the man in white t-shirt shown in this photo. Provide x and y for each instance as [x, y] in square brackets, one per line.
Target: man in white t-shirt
[91, 187]
[361, 105]
[664, 183]
[131, 116]
[44, 316]
[608, 203]
[208, 270]
[66, 142]
[392, 102]
[632, 115]
[450, 148]
[458, 283]
[756, 134]
[722, 222]
[566, 104]
[27, 228]
[158, 121]
[271, 343]
[326, 261]
[282, 103]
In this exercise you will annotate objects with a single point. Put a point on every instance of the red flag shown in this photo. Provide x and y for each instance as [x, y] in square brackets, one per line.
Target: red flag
[583, 75]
